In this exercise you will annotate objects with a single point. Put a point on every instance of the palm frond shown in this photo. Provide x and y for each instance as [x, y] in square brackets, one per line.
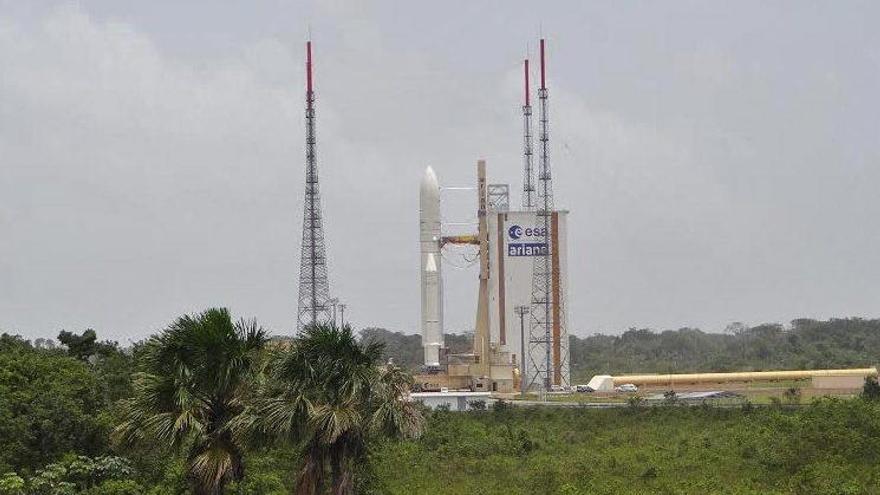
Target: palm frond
[190, 389]
[212, 465]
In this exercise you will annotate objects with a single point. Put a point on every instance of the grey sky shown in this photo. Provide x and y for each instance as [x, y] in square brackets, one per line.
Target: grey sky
[720, 160]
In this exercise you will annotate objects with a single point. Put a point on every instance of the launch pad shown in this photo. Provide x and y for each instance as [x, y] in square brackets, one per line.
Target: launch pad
[507, 242]
[523, 260]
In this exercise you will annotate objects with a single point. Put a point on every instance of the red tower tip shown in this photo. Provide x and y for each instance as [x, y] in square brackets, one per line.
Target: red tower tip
[308, 66]
[543, 81]
[527, 81]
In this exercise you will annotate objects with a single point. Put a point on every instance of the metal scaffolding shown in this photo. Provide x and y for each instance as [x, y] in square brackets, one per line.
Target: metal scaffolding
[314, 285]
[548, 339]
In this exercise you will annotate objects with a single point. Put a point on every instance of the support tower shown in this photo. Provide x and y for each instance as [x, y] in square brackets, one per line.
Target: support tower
[548, 339]
[314, 286]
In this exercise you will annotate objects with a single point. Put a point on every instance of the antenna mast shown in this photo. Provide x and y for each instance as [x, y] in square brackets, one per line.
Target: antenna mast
[548, 345]
[528, 196]
[314, 285]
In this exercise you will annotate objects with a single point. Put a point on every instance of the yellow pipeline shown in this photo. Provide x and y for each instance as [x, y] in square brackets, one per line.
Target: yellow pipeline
[459, 239]
[744, 376]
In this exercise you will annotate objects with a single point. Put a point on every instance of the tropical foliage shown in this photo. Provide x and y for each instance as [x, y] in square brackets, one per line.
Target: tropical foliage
[328, 395]
[190, 393]
[323, 414]
[50, 404]
[105, 475]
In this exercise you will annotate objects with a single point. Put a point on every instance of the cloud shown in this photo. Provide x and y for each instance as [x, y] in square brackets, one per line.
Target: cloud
[137, 186]
[145, 172]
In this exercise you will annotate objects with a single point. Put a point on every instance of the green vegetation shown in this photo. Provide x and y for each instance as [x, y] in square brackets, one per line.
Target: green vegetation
[806, 344]
[191, 392]
[50, 404]
[105, 475]
[327, 397]
[830, 447]
[871, 390]
[209, 406]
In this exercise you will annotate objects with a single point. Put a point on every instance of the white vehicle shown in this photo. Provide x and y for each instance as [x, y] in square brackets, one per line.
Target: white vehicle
[628, 388]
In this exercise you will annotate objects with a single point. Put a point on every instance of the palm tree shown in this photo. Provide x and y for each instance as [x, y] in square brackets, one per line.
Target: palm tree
[330, 396]
[189, 392]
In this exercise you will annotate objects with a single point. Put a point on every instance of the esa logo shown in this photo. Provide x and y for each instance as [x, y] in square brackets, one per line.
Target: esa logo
[517, 232]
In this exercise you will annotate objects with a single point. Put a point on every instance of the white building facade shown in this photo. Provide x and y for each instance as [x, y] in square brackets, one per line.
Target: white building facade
[515, 238]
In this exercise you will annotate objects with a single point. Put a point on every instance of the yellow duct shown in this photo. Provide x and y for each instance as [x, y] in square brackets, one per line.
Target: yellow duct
[745, 376]
[459, 239]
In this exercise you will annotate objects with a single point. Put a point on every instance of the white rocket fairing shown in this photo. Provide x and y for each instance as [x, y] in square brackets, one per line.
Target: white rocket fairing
[432, 282]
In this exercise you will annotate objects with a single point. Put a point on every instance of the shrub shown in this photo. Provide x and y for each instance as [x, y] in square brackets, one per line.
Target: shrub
[117, 487]
[635, 401]
[871, 389]
[11, 484]
[792, 395]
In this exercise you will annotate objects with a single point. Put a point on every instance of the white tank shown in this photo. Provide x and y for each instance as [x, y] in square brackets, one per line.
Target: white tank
[431, 274]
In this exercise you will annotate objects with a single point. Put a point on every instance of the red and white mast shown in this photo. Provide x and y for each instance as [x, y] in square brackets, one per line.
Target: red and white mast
[314, 284]
[547, 349]
[528, 195]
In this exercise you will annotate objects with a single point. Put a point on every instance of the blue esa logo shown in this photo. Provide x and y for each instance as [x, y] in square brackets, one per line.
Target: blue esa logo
[515, 232]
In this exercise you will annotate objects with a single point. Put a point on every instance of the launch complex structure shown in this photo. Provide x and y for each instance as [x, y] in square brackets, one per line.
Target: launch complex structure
[522, 269]
[523, 280]
[520, 332]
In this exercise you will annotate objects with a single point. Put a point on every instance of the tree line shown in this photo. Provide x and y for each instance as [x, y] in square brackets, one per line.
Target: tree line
[211, 405]
[803, 344]
[84, 416]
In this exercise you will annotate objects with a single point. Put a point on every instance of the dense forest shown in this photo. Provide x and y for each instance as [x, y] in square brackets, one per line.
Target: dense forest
[65, 405]
[803, 344]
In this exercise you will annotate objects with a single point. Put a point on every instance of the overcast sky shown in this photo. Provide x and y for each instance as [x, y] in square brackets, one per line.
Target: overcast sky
[720, 160]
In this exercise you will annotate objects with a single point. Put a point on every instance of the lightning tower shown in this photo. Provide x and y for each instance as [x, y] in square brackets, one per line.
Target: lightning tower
[548, 340]
[314, 286]
[528, 195]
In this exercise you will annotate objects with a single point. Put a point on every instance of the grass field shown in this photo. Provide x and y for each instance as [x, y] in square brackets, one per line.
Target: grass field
[829, 447]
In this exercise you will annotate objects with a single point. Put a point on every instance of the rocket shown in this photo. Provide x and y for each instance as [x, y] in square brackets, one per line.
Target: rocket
[431, 278]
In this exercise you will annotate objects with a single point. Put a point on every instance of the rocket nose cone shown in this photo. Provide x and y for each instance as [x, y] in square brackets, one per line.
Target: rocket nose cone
[429, 182]
[430, 178]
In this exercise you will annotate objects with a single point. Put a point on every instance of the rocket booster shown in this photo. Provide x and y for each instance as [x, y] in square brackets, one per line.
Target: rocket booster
[431, 279]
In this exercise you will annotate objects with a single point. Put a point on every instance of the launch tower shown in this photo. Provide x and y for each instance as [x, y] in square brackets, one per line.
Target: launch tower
[548, 340]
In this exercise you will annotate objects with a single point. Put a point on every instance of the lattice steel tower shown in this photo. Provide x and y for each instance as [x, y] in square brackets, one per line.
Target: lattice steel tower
[528, 194]
[548, 340]
[314, 286]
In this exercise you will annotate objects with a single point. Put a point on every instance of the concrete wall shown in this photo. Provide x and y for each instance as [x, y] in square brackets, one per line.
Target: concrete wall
[838, 382]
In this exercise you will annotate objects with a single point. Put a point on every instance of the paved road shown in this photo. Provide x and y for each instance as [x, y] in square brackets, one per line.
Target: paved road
[614, 405]
[580, 405]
